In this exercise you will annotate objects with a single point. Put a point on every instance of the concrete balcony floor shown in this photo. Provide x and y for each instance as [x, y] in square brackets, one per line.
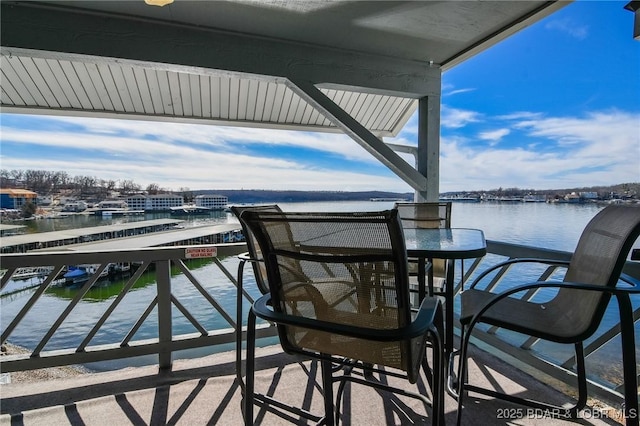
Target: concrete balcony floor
[204, 391]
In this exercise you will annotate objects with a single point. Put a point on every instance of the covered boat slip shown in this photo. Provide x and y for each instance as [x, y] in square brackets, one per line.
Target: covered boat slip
[56, 239]
[197, 235]
[272, 64]
[150, 233]
[7, 229]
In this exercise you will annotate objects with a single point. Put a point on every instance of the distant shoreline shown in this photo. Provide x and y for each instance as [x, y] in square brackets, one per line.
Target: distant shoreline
[252, 196]
[255, 196]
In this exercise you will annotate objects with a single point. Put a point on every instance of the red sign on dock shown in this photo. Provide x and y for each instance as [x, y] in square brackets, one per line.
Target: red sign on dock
[198, 252]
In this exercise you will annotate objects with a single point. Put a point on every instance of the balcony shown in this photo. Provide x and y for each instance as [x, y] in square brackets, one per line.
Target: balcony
[202, 389]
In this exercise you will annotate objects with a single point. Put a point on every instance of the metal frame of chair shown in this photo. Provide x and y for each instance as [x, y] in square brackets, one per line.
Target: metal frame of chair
[254, 257]
[347, 305]
[582, 298]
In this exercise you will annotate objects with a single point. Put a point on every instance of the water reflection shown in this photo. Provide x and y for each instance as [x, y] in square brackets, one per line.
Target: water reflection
[106, 288]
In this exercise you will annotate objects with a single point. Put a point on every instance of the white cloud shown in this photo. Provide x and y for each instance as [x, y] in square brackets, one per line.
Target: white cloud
[195, 156]
[603, 149]
[494, 136]
[570, 27]
[457, 91]
[219, 136]
[455, 118]
[520, 115]
[202, 170]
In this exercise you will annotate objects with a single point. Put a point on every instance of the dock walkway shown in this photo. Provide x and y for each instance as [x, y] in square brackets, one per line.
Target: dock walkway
[208, 234]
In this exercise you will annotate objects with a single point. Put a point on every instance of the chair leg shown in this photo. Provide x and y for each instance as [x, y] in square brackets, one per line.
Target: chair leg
[462, 370]
[239, 326]
[347, 369]
[331, 418]
[438, 378]
[631, 412]
[582, 380]
[249, 383]
[463, 385]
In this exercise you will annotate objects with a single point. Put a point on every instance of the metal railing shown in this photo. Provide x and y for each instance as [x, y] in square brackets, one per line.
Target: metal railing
[159, 262]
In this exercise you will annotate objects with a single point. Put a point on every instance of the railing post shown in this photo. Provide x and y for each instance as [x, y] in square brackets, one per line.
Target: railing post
[165, 331]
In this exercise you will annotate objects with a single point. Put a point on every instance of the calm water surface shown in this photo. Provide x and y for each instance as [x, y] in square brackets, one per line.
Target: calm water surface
[553, 226]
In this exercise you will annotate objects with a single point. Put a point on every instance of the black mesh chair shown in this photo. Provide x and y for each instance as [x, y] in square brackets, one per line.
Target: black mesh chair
[430, 216]
[339, 293]
[572, 315]
[254, 256]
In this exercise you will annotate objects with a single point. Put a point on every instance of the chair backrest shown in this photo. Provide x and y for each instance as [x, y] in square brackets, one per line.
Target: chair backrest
[259, 270]
[598, 259]
[340, 268]
[425, 215]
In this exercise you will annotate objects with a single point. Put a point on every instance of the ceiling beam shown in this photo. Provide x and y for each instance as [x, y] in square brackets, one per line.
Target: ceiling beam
[545, 9]
[116, 37]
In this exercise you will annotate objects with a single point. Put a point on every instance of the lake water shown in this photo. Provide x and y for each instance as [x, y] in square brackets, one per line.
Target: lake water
[552, 226]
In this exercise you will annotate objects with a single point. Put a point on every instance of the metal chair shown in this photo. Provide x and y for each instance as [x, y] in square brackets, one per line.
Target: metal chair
[339, 294]
[427, 215]
[572, 315]
[254, 256]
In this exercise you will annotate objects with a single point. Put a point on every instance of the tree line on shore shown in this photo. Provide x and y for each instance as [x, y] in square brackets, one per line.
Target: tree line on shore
[46, 182]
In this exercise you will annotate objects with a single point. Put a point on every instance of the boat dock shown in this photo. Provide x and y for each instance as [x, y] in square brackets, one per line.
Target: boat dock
[117, 212]
[6, 230]
[55, 239]
[208, 234]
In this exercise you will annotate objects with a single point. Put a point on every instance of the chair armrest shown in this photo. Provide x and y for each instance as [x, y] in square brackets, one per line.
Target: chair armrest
[423, 321]
[628, 279]
[247, 258]
[614, 291]
[500, 265]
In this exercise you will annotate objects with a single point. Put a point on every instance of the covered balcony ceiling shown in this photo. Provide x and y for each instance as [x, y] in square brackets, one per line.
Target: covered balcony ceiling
[245, 62]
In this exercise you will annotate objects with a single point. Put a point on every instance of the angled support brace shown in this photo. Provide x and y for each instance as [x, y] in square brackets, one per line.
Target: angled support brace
[386, 155]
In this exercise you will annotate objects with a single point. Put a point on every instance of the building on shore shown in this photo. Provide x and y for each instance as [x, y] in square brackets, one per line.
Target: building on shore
[154, 203]
[113, 204]
[16, 198]
[169, 202]
[212, 201]
[137, 202]
[74, 206]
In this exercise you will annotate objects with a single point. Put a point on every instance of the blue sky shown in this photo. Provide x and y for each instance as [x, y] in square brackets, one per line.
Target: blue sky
[556, 105]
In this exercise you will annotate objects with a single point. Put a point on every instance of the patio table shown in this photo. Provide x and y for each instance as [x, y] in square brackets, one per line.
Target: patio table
[450, 244]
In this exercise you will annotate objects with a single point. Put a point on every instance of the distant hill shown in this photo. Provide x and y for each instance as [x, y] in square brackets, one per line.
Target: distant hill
[243, 196]
[254, 196]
